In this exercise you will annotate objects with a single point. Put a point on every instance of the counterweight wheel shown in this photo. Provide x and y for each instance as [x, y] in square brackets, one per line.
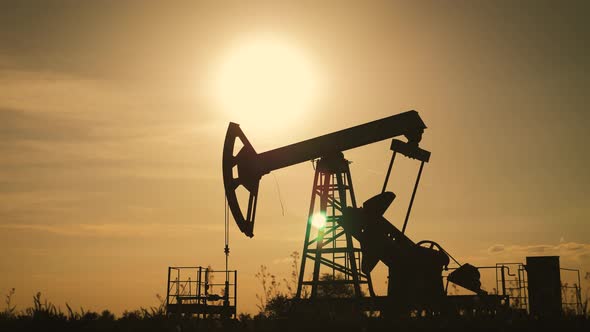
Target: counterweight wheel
[248, 176]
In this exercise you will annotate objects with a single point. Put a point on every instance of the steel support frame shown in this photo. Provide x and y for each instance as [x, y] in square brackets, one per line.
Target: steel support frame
[331, 240]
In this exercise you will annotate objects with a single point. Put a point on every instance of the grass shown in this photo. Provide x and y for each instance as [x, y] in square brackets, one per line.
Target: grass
[43, 315]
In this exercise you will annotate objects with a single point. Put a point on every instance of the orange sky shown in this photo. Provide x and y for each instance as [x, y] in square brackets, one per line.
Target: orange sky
[111, 142]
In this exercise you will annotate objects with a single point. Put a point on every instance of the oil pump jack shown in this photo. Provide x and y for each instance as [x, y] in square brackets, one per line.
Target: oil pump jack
[415, 269]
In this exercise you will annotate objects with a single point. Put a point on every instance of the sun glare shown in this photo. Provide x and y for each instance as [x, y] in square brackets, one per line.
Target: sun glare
[318, 220]
[265, 83]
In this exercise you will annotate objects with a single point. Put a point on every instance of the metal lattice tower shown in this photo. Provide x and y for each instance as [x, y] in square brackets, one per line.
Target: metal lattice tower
[327, 246]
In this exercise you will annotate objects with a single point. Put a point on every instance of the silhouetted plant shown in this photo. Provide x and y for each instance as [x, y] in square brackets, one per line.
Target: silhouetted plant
[90, 315]
[9, 309]
[43, 309]
[132, 315]
[270, 288]
[293, 280]
[72, 315]
[274, 302]
[277, 306]
[586, 297]
[514, 293]
[564, 291]
[43, 315]
[106, 315]
[572, 297]
[155, 311]
[243, 317]
[210, 278]
[336, 289]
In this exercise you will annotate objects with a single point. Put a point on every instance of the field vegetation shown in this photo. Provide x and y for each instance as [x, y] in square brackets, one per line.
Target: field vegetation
[274, 304]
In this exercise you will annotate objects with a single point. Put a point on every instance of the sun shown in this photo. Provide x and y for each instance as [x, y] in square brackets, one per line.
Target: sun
[265, 83]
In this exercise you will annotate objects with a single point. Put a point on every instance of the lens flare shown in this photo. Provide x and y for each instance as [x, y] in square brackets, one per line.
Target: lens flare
[318, 220]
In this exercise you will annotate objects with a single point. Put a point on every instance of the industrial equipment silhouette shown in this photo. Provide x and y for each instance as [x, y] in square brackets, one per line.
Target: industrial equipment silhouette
[415, 270]
[350, 240]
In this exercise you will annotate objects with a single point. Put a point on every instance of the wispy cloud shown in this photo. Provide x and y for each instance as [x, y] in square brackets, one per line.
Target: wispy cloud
[568, 250]
[16, 125]
[284, 260]
[113, 230]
